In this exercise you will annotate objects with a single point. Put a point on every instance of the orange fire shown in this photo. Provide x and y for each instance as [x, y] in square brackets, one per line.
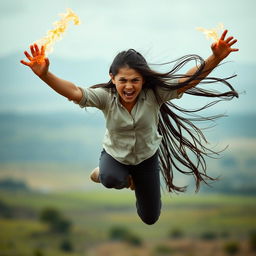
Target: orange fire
[56, 33]
[212, 33]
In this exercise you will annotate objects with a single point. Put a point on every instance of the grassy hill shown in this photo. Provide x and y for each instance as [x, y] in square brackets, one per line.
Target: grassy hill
[188, 224]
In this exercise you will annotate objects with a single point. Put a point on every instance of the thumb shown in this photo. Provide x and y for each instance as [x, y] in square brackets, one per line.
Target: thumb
[214, 45]
[47, 62]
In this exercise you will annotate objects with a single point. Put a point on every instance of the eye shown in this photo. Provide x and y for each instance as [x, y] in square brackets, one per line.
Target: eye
[122, 80]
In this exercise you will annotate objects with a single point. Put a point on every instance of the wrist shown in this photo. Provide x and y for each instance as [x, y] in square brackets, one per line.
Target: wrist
[44, 75]
[214, 60]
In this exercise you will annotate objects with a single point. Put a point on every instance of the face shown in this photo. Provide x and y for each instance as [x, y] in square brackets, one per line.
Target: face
[128, 84]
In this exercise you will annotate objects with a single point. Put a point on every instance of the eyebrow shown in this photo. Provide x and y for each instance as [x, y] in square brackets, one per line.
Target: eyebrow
[131, 79]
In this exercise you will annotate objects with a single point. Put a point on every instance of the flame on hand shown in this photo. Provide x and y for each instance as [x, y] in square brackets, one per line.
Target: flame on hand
[212, 33]
[56, 33]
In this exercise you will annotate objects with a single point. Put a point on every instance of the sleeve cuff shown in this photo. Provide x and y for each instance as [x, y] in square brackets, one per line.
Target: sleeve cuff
[82, 102]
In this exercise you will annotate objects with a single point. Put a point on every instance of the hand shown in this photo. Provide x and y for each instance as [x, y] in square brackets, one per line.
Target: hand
[37, 62]
[222, 48]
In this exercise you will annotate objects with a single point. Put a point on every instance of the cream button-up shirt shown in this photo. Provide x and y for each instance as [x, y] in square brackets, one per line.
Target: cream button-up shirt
[130, 138]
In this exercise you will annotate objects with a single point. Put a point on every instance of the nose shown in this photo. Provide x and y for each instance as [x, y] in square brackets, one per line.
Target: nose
[128, 85]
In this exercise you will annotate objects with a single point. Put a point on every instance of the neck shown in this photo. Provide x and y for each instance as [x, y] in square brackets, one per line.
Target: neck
[128, 105]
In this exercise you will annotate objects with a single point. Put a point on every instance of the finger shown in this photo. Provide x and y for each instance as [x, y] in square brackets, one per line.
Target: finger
[36, 48]
[42, 50]
[25, 63]
[47, 62]
[28, 55]
[232, 42]
[224, 34]
[32, 50]
[234, 50]
[229, 39]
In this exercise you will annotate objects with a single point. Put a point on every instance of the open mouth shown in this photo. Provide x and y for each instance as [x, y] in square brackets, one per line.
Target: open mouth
[129, 94]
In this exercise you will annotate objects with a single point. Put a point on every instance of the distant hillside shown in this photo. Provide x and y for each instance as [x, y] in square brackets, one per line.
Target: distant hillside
[65, 133]
[22, 91]
[78, 136]
[51, 137]
[76, 139]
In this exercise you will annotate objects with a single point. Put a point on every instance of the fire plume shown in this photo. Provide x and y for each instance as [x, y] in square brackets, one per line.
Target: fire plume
[212, 33]
[57, 32]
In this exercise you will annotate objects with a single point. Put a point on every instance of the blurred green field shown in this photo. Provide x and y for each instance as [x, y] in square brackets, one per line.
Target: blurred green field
[100, 209]
[93, 214]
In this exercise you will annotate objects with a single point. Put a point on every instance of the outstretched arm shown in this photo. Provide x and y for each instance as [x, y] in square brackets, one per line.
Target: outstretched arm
[220, 50]
[40, 66]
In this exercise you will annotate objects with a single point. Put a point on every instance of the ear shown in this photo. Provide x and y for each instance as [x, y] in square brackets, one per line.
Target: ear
[112, 78]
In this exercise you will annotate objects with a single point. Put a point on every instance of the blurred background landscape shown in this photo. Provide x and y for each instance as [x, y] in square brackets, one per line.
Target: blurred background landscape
[48, 145]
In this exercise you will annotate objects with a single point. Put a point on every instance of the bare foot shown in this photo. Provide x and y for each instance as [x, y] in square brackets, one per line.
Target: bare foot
[95, 175]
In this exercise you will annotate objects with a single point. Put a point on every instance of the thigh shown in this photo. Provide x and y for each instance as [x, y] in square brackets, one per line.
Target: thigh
[113, 174]
[147, 189]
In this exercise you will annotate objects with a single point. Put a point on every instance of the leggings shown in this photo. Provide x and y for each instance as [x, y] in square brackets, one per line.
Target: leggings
[145, 175]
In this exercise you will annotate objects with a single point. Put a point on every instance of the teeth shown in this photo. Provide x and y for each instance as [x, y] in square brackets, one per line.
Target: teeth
[129, 93]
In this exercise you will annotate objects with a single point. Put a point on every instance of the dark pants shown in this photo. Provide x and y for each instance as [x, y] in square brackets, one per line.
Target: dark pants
[145, 175]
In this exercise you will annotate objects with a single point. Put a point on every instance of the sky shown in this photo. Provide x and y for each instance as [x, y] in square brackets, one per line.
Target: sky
[162, 30]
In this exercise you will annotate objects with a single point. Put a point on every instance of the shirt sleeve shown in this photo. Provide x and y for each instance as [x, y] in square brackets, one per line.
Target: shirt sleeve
[167, 94]
[93, 97]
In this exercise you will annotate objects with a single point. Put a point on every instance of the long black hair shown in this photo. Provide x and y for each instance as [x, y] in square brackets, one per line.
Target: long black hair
[183, 144]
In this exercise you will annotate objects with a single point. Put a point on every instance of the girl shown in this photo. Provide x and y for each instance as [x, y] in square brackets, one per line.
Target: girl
[144, 135]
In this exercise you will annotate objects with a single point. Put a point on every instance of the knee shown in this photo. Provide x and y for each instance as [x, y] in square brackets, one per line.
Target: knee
[149, 214]
[111, 181]
[150, 220]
